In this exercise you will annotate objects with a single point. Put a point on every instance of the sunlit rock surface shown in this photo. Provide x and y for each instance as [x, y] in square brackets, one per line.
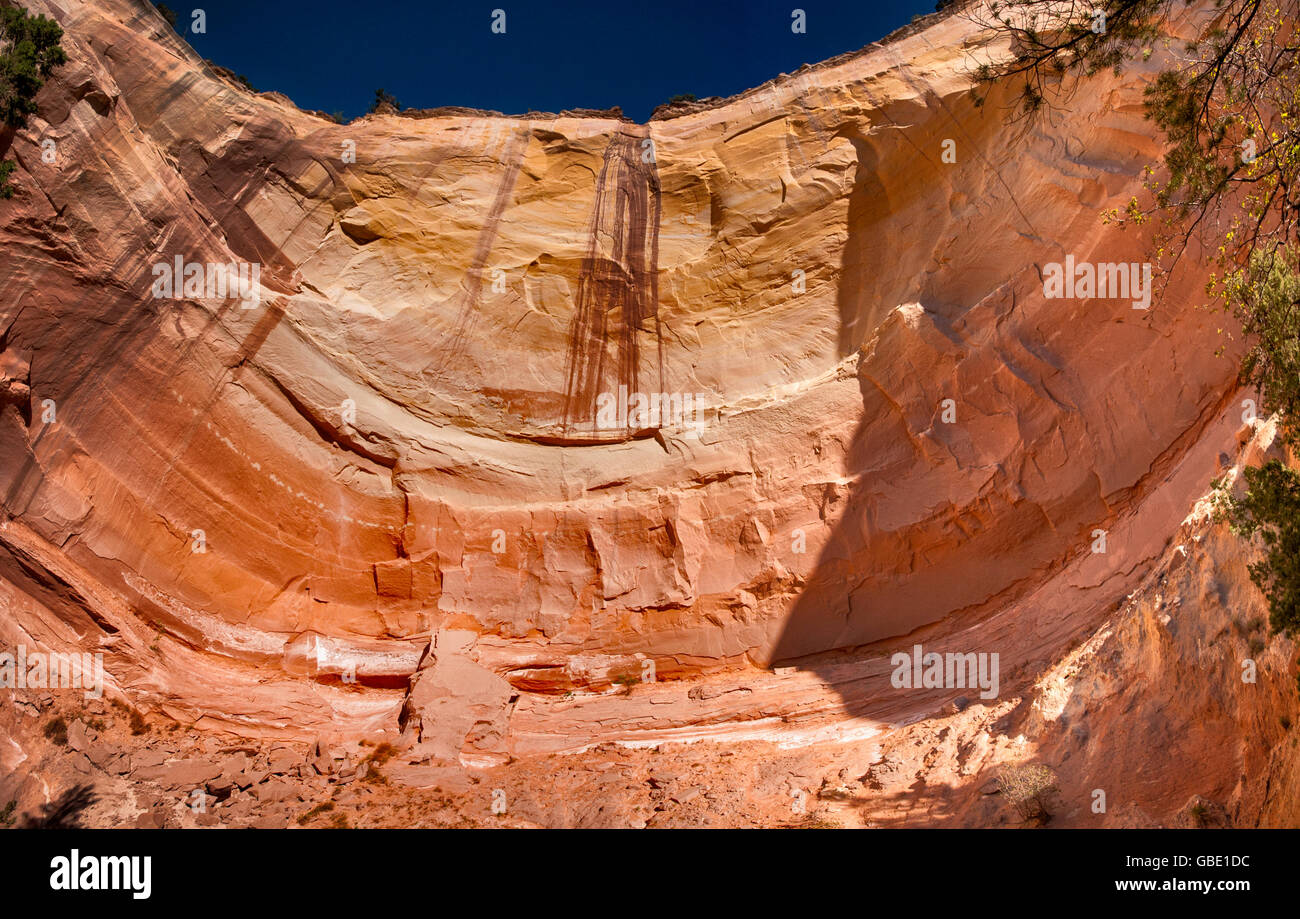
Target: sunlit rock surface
[406, 490]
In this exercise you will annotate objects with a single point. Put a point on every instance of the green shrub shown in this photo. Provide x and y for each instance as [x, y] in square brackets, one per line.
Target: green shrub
[29, 52]
[384, 98]
[1270, 510]
[167, 13]
[1265, 296]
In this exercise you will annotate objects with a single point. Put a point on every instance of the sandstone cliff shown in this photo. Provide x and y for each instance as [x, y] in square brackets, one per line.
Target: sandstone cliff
[380, 500]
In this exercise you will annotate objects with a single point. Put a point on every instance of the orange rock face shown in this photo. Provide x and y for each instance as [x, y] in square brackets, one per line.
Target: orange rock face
[527, 434]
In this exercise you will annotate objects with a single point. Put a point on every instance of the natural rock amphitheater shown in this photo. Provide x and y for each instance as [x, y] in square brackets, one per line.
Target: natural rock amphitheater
[389, 536]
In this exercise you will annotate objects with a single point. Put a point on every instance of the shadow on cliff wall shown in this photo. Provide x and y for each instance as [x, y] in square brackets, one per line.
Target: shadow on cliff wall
[823, 615]
[906, 552]
[858, 289]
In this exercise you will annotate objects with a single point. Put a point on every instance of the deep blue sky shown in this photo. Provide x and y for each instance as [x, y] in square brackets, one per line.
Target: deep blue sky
[331, 55]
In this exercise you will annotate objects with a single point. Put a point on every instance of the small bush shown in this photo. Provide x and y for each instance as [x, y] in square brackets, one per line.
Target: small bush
[380, 755]
[138, 724]
[315, 812]
[819, 822]
[57, 731]
[167, 13]
[627, 681]
[1264, 295]
[384, 99]
[29, 52]
[1029, 788]
[1270, 509]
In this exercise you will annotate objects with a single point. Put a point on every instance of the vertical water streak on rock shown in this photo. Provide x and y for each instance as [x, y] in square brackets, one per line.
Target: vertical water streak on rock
[618, 288]
[468, 300]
